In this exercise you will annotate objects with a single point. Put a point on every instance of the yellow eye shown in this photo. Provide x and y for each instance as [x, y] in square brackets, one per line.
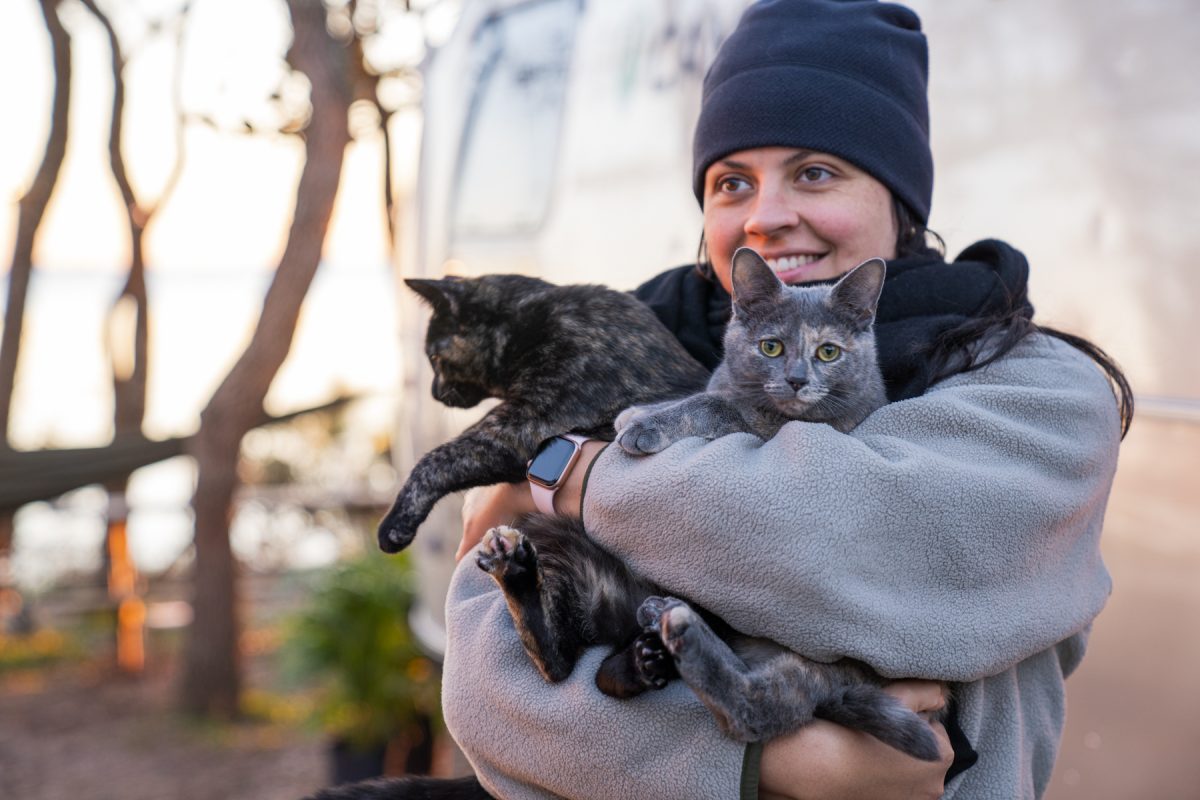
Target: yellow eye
[829, 352]
[771, 348]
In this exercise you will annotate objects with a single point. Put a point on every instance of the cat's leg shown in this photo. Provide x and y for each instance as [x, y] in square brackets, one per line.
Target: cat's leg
[751, 701]
[552, 643]
[645, 663]
[478, 457]
[769, 690]
[705, 415]
[633, 412]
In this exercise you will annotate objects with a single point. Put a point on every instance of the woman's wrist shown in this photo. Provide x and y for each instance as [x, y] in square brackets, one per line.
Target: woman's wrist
[568, 501]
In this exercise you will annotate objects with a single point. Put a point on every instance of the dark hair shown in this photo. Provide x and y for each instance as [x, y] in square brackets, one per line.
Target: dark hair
[958, 349]
[980, 341]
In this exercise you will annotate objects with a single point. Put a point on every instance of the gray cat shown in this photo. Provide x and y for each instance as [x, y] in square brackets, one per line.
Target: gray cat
[791, 353]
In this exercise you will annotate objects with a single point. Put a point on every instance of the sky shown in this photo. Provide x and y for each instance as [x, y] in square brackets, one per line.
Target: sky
[211, 247]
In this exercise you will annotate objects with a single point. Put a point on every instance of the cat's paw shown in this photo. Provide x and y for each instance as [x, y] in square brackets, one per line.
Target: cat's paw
[626, 416]
[642, 436]
[652, 662]
[674, 623]
[396, 531]
[504, 551]
[651, 609]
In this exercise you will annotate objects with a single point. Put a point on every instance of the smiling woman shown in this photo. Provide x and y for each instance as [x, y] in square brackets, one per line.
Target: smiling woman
[812, 216]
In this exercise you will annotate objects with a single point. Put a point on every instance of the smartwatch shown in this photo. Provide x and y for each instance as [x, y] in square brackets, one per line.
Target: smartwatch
[549, 468]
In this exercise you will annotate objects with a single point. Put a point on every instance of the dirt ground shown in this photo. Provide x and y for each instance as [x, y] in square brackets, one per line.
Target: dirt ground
[80, 732]
[1133, 721]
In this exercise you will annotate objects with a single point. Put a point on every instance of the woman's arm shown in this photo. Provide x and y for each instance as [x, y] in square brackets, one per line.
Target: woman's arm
[949, 536]
[824, 761]
[529, 739]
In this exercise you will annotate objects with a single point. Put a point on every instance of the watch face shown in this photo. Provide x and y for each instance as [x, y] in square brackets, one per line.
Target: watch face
[548, 465]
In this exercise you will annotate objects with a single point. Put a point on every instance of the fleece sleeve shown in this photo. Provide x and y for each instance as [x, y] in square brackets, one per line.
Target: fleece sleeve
[949, 536]
[529, 740]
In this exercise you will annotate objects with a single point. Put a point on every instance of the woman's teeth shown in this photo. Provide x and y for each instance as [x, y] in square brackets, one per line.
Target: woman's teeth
[791, 262]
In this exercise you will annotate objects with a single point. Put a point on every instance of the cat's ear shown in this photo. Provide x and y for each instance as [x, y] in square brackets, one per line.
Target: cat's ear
[856, 295]
[442, 294]
[753, 281]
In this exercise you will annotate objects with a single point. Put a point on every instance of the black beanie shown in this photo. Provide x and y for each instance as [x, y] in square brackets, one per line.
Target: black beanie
[845, 77]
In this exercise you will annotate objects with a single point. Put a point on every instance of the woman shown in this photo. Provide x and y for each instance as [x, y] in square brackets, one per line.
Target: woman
[953, 536]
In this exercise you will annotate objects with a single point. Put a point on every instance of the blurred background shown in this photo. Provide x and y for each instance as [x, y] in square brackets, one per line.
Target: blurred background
[211, 380]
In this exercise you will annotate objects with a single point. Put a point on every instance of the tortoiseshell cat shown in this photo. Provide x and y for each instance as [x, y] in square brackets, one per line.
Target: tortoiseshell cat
[561, 358]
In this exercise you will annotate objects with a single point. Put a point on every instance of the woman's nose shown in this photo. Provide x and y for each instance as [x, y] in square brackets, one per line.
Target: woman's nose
[770, 214]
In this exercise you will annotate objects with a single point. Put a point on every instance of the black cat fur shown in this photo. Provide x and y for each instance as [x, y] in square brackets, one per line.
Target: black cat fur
[559, 358]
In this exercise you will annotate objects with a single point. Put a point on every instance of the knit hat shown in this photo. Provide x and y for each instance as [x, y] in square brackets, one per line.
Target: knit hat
[845, 77]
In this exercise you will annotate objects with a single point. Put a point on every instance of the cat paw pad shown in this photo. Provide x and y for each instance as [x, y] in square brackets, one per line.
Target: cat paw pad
[674, 624]
[501, 548]
[652, 662]
[651, 609]
[642, 437]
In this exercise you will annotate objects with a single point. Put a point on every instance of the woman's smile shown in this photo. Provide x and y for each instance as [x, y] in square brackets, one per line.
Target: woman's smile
[812, 216]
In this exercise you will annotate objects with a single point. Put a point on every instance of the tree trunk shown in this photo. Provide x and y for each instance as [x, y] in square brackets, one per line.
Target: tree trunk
[212, 676]
[31, 209]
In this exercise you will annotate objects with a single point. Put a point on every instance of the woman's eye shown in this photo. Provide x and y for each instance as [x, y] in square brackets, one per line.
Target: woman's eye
[828, 352]
[730, 185]
[815, 174]
[771, 348]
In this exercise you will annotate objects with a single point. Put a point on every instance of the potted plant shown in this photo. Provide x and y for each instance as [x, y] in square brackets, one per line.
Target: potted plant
[378, 693]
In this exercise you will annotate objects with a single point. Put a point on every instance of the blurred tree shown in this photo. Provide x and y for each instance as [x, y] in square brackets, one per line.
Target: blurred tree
[30, 211]
[128, 337]
[212, 675]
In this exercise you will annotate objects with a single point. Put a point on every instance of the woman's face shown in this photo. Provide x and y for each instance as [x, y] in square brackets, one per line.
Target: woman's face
[810, 215]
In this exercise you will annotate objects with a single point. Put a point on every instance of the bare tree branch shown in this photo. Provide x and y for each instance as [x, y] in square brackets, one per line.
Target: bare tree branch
[31, 209]
[212, 675]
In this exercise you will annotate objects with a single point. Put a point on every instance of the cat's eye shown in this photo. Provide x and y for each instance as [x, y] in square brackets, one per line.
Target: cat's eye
[771, 348]
[828, 352]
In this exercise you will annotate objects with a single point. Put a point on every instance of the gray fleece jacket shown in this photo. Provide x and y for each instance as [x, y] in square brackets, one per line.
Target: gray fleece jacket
[954, 536]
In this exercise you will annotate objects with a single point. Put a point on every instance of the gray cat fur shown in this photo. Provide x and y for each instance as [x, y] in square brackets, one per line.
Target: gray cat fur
[752, 393]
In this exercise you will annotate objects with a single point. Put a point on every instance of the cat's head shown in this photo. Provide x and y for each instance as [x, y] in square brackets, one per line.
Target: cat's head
[803, 346]
[464, 338]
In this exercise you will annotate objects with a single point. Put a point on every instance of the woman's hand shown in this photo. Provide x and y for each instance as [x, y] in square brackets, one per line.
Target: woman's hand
[486, 507]
[824, 761]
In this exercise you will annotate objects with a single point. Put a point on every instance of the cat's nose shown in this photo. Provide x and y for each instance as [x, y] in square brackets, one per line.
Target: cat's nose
[797, 383]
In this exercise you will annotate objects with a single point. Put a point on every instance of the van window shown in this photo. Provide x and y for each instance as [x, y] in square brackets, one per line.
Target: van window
[506, 165]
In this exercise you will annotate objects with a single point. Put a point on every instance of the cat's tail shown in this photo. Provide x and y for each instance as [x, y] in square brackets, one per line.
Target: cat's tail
[873, 711]
[408, 788]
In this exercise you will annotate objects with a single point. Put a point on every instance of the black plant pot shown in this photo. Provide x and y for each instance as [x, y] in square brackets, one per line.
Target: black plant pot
[349, 763]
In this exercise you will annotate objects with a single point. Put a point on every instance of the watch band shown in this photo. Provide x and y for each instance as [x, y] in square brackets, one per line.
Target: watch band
[543, 496]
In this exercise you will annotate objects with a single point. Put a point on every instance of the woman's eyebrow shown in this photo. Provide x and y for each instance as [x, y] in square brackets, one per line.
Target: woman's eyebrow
[795, 157]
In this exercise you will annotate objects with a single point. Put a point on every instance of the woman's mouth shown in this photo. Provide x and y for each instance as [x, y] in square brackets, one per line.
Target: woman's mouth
[794, 268]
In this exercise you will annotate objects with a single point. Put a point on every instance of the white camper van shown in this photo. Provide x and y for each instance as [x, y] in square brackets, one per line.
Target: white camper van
[557, 143]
